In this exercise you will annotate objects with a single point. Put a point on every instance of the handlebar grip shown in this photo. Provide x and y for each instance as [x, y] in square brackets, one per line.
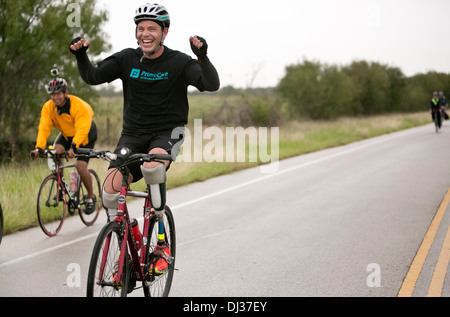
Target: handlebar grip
[96, 154]
[83, 151]
[164, 157]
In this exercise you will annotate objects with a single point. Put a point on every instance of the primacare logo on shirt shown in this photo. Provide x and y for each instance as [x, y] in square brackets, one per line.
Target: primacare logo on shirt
[142, 74]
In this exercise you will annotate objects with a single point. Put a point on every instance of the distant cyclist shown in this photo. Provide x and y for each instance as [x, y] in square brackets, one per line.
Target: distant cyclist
[435, 107]
[73, 117]
[155, 79]
[443, 104]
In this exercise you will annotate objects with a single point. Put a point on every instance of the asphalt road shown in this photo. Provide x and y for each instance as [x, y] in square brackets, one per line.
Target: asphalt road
[347, 221]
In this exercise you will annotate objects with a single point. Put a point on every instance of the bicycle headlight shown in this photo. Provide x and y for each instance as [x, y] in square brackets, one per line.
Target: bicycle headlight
[125, 151]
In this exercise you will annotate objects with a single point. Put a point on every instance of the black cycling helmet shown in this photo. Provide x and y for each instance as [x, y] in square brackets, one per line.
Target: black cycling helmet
[153, 12]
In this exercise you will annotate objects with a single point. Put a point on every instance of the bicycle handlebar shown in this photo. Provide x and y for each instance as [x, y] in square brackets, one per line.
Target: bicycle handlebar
[50, 153]
[125, 155]
[95, 154]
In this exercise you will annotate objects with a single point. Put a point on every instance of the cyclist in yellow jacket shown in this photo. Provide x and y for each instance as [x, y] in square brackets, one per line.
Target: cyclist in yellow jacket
[73, 117]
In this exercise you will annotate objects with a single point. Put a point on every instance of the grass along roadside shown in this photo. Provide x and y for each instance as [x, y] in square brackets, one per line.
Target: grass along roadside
[20, 183]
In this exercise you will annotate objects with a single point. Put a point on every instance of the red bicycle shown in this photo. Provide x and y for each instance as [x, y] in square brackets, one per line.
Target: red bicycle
[121, 256]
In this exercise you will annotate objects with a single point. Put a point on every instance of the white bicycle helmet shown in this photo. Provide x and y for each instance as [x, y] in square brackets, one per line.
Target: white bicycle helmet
[153, 12]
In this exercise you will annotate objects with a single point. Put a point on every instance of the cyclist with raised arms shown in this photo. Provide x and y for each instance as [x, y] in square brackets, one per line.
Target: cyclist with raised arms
[72, 116]
[155, 80]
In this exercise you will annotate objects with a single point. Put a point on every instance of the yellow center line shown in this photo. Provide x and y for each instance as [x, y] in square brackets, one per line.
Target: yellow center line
[437, 282]
[412, 276]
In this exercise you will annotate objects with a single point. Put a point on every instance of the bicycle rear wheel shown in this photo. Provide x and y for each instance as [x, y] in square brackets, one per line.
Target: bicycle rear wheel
[89, 219]
[51, 207]
[159, 286]
[104, 264]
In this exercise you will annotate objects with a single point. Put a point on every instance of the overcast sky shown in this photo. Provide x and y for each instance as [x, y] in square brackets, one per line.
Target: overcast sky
[259, 38]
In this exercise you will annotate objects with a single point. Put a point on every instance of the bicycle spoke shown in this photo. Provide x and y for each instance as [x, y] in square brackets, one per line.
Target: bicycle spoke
[50, 206]
[90, 218]
[159, 285]
[103, 269]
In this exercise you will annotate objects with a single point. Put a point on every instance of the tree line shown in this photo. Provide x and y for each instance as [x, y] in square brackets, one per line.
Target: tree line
[312, 90]
[320, 91]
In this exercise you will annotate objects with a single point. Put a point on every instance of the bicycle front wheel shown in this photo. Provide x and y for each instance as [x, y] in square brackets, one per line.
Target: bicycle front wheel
[159, 285]
[1, 223]
[103, 268]
[89, 218]
[51, 208]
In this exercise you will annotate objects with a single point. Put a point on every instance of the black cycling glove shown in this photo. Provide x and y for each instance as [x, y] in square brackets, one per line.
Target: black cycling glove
[73, 146]
[203, 50]
[81, 51]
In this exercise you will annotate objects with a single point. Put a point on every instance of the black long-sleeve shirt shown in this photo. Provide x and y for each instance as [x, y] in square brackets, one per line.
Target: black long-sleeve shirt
[154, 90]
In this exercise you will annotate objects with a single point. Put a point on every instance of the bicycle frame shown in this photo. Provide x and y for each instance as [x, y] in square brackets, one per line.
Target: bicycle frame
[61, 179]
[128, 238]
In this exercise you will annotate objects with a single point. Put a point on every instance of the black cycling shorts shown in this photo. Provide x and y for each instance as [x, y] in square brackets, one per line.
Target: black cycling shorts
[144, 143]
[67, 143]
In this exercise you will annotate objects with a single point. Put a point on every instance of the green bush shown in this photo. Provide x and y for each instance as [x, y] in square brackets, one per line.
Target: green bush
[318, 91]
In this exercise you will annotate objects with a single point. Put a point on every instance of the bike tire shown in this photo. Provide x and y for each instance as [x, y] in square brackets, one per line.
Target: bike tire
[89, 219]
[159, 286]
[105, 257]
[1, 223]
[51, 210]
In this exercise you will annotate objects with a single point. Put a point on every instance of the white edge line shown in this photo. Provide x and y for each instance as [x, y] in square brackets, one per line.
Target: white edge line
[56, 247]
